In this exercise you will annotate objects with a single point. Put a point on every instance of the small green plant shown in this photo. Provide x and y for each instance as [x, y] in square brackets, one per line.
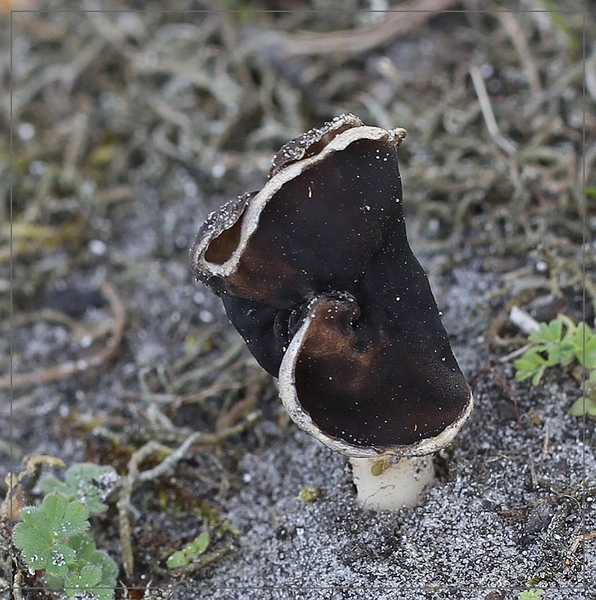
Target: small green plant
[533, 594]
[184, 557]
[560, 343]
[86, 482]
[55, 537]
[586, 404]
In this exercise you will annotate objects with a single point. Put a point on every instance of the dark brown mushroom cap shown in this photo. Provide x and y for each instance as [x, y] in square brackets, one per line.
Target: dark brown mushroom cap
[366, 389]
[312, 229]
[316, 273]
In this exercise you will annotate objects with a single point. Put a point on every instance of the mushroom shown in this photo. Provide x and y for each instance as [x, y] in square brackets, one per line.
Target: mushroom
[316, 274]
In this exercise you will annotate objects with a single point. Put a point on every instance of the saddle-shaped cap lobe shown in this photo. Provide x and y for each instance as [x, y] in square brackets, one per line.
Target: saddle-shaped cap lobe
[316, 273]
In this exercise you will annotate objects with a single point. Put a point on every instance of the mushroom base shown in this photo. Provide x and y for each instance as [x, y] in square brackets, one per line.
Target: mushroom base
[383, 484]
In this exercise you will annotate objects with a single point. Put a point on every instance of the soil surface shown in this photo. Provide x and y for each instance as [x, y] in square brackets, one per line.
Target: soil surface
[125, 128]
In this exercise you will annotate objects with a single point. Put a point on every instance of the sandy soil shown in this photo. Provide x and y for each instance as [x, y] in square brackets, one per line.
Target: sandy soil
[130, 127]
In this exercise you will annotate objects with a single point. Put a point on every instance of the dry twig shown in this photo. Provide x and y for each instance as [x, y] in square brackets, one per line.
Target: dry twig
[66, 369]
[487, 112]
[135, 476]
[354, 42]
[519, 39]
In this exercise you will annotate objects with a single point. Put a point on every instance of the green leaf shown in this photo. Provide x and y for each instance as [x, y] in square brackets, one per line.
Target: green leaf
[35, 517]
[51, 484]
[53, 583]
[54, 509]
[548, 334]
[531, 364]
[61, 558]
[88, 483]
[535, 594]
[83, 545]
[76, 520]
[36, 545]
[585, 341]
[88, 554]
[88, 577]
[109, 569]
[183, 557]
[558, 344]
[92, 484]
[561, 353]
[177, 560]
[102, 593]
[34, 537]
[43, 534]
[583, 406]
[198, 545]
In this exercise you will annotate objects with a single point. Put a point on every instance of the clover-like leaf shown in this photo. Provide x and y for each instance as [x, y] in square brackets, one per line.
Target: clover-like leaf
[43, 533]
[530, 364]
[54, 538]
[52, 484]
[83, 545]
[32, 534]
[86, 482]
[585, 343]
[35, 517]
[583, 406]
[561, 353]
[548, 333]
[54, 509]
[35, 544]
[76, 520]
[61, 557]
[560, 342]
[88, 554]
[109, 568]
[34, 538]
[85, 580]
[102, 593]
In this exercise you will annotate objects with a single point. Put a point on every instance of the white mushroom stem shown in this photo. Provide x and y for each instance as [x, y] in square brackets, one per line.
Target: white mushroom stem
[388, 484]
